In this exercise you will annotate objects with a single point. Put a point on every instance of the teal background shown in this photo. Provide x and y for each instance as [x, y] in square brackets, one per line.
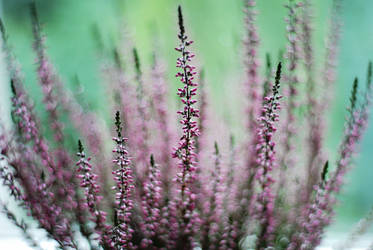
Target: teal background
[216, 26]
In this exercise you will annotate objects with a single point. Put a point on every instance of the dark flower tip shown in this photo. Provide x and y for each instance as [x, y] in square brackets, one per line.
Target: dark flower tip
[34, 13]
[42, 176]
[181, 22]
[325, 171]
[216, 148]
[118, 124]
[2, 30]
[353, 97]
[276, 87]
[268, 61]
[137, 61]
[12, 87]
[152, 162]
[116, 57]
[80, 146]
[97, 37]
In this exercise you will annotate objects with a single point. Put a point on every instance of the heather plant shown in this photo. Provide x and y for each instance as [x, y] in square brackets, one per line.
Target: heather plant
[176, 185]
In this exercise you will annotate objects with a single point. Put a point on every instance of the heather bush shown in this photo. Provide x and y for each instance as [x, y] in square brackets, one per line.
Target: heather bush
[185, 183]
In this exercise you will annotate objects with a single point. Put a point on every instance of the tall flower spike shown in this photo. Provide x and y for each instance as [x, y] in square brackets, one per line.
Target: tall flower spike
[122, 232]
[352, 135]
[315, 216]
[252, 93]
[27, 123]
[266, 162]
[123, 93]
[332, 48]
[315, 122]
[159, 94]
[91, 192]
[213, 207]
[47, 77]
[356, 125]
[287, 159]
[251, 63]
[49, 82]
[328, 79]
[185, 150]
[230, 235]
[29, 131]
[319, 212]
[141, 122]
[151, 209]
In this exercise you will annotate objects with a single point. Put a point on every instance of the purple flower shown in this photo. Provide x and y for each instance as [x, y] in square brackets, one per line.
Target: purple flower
[213, 205]
[288, 157]
[122, 231]
[151, 206]
[47, 78]
[163, 125]
[185, 203]
[319, 212]
[88, 181]
[264, 203]
[252, 89]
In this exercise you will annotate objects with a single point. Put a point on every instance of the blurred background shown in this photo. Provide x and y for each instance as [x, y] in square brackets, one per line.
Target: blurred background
[216, 26]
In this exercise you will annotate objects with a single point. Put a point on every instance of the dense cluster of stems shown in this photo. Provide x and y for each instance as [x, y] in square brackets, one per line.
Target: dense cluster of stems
[238, 194]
